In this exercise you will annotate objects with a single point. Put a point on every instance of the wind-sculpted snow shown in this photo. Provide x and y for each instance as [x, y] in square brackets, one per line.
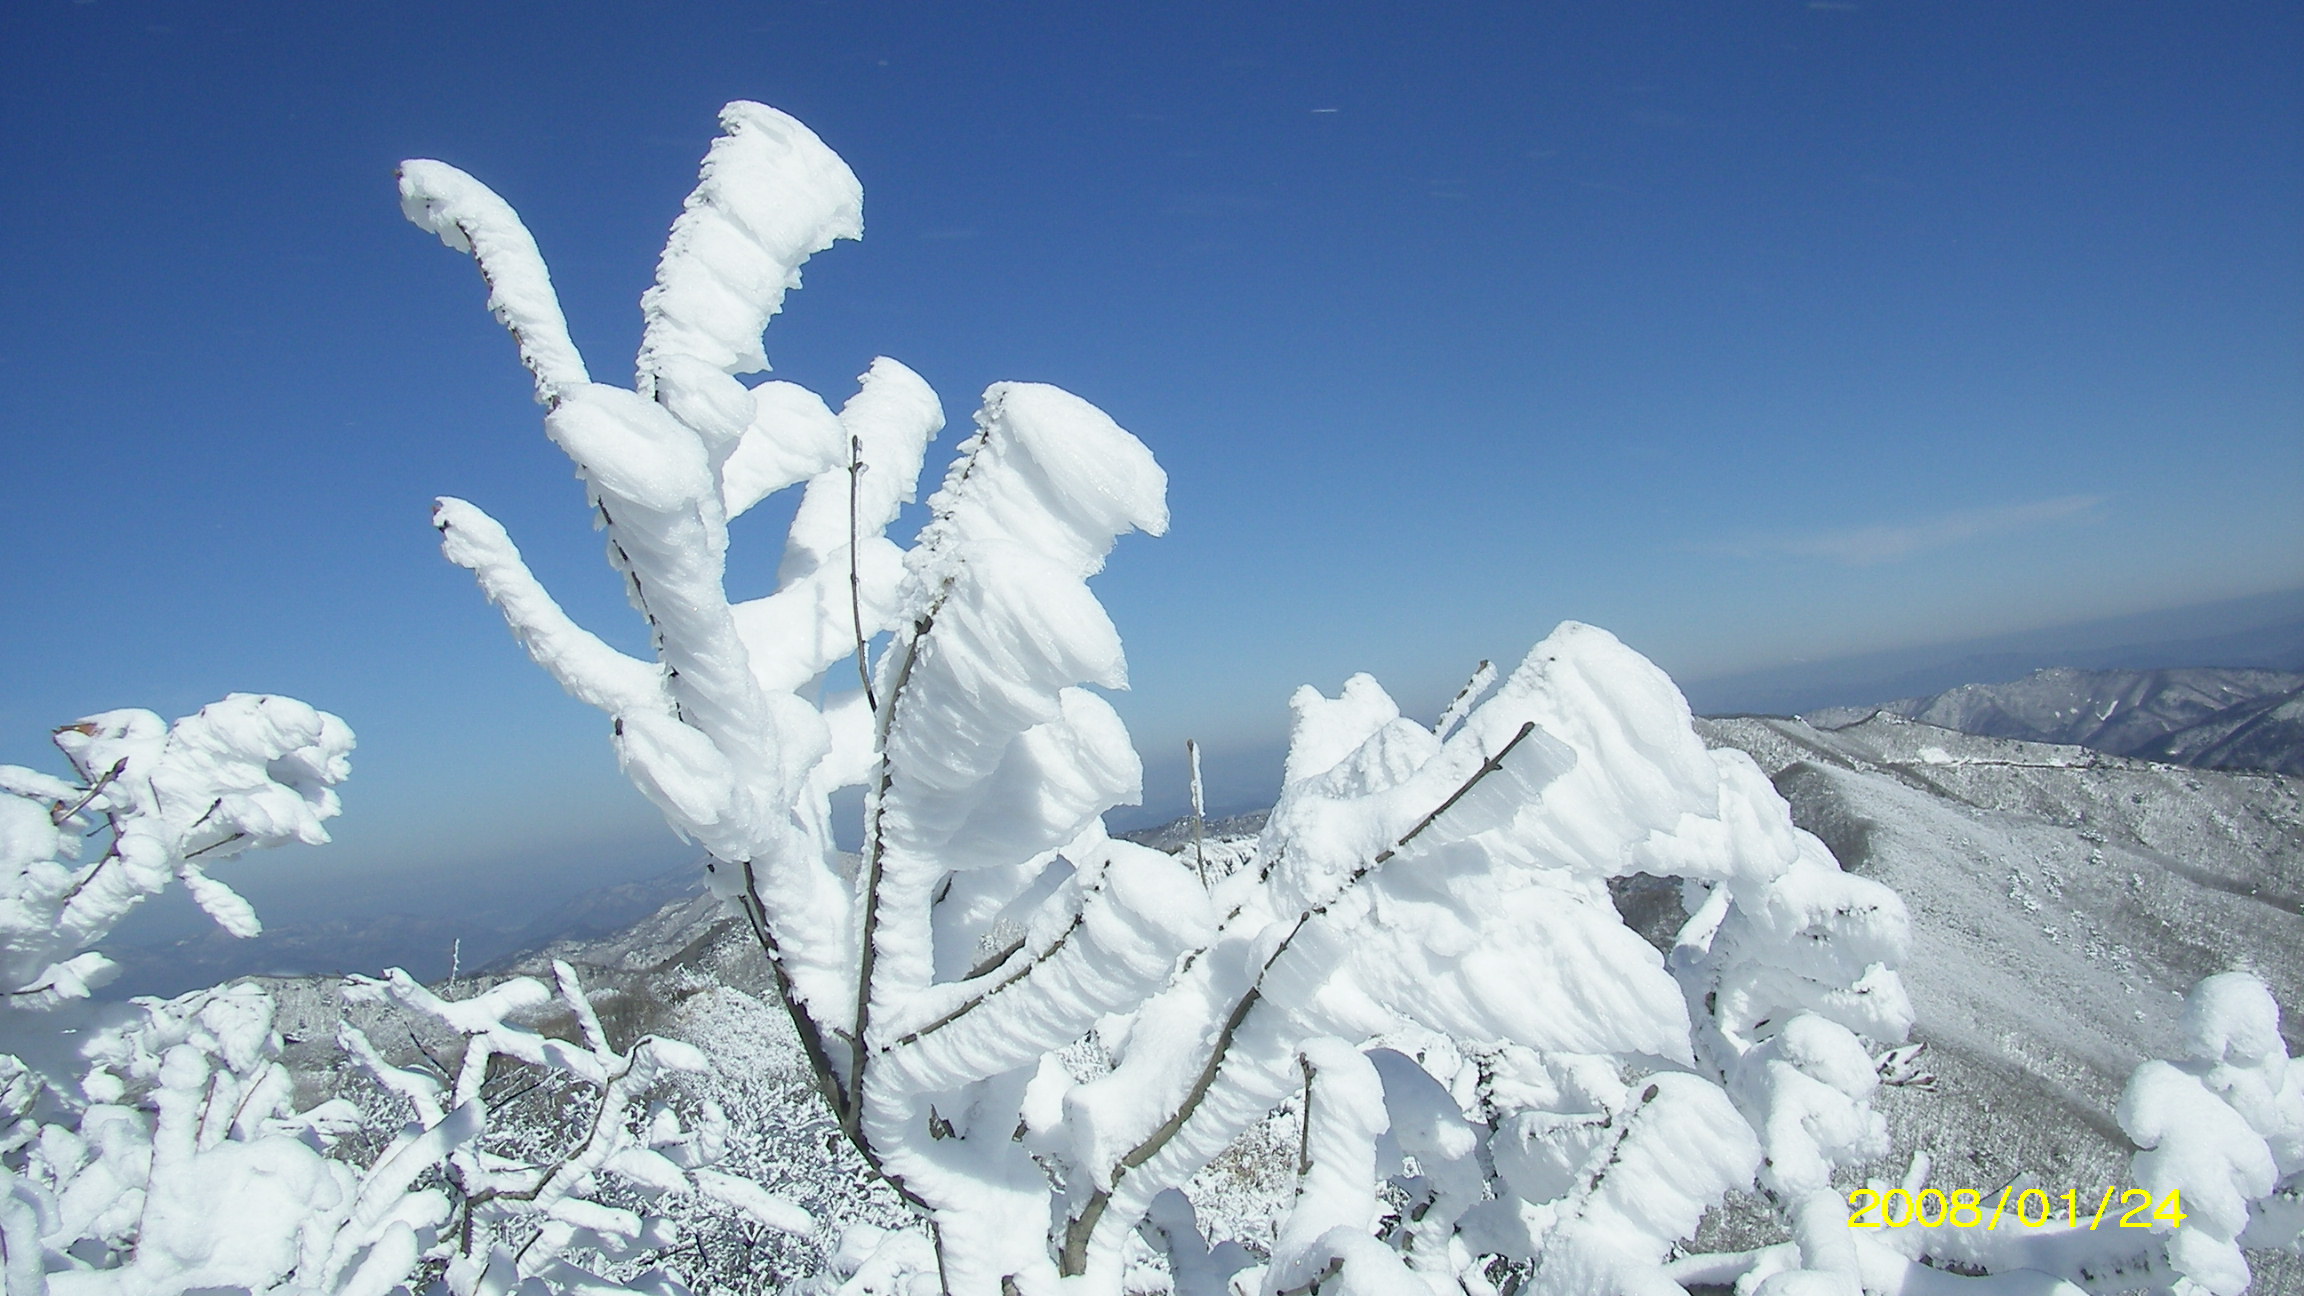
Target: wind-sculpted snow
[1641, 1182]
[770, 196]
[469, 217]
[1376, 909]
[798, 632]
[589, 669]
[1039, 1038]
[2223, 1124]
[245, 773]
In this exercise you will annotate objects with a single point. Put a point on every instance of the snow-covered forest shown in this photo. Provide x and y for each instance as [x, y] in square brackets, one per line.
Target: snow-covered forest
[1412, 996]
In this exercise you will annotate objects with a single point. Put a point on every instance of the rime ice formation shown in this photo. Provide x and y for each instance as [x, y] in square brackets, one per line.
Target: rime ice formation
[248, 772]
[1445, 883]
[2224, 1125]
[166, 1153]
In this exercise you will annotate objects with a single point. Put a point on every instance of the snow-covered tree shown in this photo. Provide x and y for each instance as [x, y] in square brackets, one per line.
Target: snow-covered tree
[165, 1152]
[2223, 1126]
[84, 1176]
[1502, 1082]
[171, 800]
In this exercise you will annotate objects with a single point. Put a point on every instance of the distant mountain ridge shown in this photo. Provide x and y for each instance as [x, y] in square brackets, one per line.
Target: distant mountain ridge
[2203, 717]
[2260, 632]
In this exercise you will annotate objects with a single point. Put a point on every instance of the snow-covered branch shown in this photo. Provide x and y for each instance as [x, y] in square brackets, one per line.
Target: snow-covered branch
[175, 799]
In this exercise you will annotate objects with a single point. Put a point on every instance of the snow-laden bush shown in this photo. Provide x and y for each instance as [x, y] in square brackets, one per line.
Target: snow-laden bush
[2224, 1126]
[1502, 1083]
[165, 1152]
[173, 800]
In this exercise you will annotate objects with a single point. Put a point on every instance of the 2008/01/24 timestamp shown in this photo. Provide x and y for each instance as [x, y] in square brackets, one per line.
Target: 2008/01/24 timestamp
[2032, 1208]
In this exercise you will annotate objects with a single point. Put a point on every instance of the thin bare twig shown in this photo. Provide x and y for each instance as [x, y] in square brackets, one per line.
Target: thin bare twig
[437, 1064]
[218, 844]
[975, 1001]
[855, 577]
[59, 814]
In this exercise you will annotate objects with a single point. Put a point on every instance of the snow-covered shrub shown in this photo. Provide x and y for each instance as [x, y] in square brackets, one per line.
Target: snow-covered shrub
[90, 1176]
[181, 1163]
[593, 1184]
[174, 799]
[2219, 1167]
[2224, 1126]
[1441, 889]
[166, 1154]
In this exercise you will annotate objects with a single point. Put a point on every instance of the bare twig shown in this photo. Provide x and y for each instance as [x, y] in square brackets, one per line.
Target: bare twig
[973, 1002]
[846, 1113]
[855, 577]
[59, 814]
[1304, 1129]
[218, 844]
[437, 1064]
[1199, 813]
[804, 1022]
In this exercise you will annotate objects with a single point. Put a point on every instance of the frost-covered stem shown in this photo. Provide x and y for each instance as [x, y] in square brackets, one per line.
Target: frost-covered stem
[1304, 1126]
[846, 1111]
[855, 578]
[971, 1003]
[1483, 675]
[907, 653]
[61, 812]
[88, 874]
[1199, 813]
[468, 217]
[1078, 1232]
[217, 845]
[803, 1022]
[898, 665]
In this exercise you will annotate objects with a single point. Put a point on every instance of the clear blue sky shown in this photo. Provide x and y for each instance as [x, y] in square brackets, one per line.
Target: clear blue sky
[1753, 332]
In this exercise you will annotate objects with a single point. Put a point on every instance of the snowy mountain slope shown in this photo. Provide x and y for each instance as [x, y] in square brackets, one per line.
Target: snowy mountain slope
[2215, 719]
[2266, 735]
[2061, 902]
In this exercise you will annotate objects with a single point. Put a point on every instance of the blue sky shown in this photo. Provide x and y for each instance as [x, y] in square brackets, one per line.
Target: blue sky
[1754, 332]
